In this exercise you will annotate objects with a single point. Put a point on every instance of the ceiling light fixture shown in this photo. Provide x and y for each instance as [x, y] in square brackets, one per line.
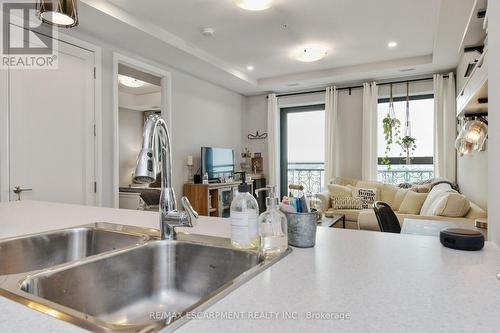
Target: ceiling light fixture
[207, 32]
[130, 81]
[61, 13]
[254, 5]
[250, 68]
[472, 136]
[392, 44]
[310, 53]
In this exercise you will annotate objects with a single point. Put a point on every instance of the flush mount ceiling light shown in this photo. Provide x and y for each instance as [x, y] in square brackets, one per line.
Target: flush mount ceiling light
[250, 68]
[392, 44]
[310, 53]
[61, 13]
[130, 81]
[254, 5]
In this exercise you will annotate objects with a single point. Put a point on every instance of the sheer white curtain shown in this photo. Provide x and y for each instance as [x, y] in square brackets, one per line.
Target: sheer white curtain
[273, 140]
[369, 143]
[331, 102]
[445, 128]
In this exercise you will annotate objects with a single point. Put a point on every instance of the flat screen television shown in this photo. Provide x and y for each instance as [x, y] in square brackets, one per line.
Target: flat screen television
[217, 162]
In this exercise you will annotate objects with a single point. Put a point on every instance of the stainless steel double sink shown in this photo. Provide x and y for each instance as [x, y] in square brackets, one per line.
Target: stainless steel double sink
[114, 278]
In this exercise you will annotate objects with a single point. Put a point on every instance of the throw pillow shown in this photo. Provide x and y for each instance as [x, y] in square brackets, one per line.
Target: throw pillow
[436, 193]
[398, 198]
[367, 195]
[412, 203]
[451, 205]
[346, 203]
[421, 188]
[339, 191]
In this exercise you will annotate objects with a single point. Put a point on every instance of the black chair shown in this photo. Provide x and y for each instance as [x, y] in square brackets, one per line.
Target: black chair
[387, 219]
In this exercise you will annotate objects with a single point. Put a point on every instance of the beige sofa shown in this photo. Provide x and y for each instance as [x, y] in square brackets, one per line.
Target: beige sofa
[365, 219]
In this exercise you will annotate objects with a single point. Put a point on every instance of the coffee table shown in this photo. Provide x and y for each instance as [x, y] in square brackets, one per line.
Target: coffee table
[331, 221]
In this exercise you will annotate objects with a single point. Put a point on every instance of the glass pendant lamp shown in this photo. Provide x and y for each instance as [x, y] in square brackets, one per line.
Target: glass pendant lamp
[476, 133]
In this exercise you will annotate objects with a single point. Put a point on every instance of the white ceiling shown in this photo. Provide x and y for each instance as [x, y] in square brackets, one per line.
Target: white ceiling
[428, 33]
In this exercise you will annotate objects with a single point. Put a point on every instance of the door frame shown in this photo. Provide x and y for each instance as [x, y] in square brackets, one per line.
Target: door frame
[4, 119]
[166, 106]
[284, 111]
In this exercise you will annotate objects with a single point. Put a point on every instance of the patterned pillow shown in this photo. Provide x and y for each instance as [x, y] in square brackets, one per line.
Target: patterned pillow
[347, 203]
[367, 195]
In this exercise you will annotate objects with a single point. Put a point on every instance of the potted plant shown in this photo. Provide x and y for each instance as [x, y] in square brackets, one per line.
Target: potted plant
[408, 145]
[392, 131]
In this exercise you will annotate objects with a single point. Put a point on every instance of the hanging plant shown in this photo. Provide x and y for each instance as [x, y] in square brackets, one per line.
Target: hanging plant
[408, 146]
[392, 131]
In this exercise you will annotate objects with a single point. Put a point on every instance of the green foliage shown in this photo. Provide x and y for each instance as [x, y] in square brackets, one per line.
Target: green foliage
[408, 145]
[392, 132]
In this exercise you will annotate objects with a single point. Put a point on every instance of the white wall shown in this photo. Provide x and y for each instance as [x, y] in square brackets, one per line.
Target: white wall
[494, 121]
[203, 113]
[255, 119]
[130, 128]
[472, 177]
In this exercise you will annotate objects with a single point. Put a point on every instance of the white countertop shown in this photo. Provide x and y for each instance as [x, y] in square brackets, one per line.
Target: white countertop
[386, 282]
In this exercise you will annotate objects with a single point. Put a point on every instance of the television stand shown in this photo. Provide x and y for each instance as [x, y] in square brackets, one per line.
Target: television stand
[213, 199]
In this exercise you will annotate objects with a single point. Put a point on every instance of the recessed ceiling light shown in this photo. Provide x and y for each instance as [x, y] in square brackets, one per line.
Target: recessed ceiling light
[250, 68]
[392, 44]
[310, 53]
[254, 4]
[130, 81]
[207, 32]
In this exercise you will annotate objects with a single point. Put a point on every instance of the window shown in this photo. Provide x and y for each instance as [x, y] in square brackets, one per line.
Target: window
[303, 147]
[422, 128]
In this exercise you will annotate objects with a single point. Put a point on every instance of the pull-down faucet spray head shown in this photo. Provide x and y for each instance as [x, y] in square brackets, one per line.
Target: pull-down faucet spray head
[157, 153]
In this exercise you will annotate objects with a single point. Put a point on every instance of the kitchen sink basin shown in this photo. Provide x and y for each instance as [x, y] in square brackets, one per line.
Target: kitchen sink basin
[144, 288]
[43, 250]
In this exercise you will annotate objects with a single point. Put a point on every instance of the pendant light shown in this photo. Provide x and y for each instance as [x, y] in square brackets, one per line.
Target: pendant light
[61, 13]
[392, 113]
[407, 121]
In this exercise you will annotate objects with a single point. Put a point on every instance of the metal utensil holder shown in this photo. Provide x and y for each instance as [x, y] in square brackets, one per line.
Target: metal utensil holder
[302, 229]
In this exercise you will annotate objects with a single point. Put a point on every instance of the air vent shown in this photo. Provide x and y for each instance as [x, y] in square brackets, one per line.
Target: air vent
[407, 69]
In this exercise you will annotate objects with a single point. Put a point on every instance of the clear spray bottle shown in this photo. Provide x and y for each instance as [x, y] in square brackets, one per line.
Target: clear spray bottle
[273, 229]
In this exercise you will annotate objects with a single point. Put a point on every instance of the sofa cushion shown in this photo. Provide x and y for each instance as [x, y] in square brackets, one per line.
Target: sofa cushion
[346, 203]
[345, 181]
[436, 192]
[476, 212]
[426, 188]
[388, 193]
[450, 204]
[367, 195]
[363, 184]
[339, 191]
[412, 203]
[398, 198]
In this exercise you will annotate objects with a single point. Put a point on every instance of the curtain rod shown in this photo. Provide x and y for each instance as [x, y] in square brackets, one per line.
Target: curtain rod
[355, 87]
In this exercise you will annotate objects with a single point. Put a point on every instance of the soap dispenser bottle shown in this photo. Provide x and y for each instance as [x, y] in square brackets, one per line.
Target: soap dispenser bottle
[243, 215]
[273, 229]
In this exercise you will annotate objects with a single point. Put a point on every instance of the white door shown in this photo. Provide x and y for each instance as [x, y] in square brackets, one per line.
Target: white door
[51, 129]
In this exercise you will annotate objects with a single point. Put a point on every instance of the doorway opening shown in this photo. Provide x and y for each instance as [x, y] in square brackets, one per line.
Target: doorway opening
[141, 90]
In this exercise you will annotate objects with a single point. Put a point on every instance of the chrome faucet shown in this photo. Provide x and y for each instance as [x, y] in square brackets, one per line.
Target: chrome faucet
[156, 147]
